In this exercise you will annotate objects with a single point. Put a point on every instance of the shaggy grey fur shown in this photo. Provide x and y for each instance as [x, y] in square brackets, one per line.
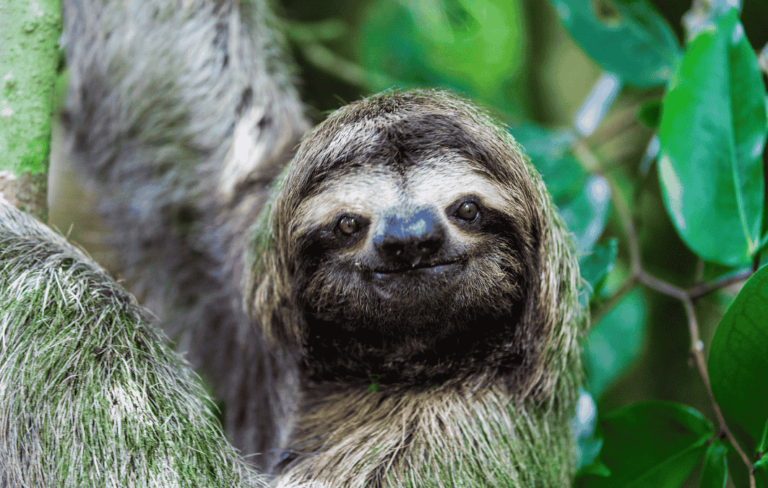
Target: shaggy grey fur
[184, 112]
[89, 394]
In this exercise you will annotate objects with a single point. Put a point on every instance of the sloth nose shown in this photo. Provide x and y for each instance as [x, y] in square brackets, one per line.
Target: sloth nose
[410, 239]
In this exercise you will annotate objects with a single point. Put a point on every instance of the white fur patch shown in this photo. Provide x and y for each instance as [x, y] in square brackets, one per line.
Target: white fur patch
[246, 151]
[436, 182]
[365, 192]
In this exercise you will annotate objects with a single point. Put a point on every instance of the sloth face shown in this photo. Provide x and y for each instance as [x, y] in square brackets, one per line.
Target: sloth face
[403, 252]
[411, 227]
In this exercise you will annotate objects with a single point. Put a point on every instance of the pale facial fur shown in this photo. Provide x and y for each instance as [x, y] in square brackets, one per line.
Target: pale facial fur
[436, 182]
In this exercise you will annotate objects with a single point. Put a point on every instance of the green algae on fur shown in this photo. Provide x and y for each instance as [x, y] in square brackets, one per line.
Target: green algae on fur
[90, 395]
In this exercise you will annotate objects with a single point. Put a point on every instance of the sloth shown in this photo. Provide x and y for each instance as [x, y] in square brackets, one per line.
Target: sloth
[415, 267]
[392, 303]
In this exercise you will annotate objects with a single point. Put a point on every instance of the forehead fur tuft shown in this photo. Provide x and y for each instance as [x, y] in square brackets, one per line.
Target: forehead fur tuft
[399, 129]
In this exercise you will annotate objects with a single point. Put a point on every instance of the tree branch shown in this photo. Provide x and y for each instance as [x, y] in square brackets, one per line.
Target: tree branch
[28, 61]
[697, 352]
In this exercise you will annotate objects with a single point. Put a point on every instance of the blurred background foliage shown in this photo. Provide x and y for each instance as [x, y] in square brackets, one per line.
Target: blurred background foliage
[542, 68]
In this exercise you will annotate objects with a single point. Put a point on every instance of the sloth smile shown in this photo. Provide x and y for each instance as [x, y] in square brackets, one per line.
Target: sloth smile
[418, 269]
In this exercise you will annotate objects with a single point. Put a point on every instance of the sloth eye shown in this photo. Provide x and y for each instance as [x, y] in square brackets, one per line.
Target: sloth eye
[467, 211]
[348, 225]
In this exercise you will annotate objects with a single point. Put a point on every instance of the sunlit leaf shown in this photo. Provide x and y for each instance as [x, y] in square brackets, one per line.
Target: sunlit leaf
[651, 444]
[703, 15]
[712, 134]
[614, 342]
[625, 37]
[738, 361]
[597, 103]
[715, 471]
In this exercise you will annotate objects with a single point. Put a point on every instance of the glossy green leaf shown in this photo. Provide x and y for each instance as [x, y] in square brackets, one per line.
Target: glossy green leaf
[712, 135]
[614, 342]
[651, 444]
[738, 361]
[472, 46]
[632, 41]
[583, 199]
[714, 474]
[595, 266]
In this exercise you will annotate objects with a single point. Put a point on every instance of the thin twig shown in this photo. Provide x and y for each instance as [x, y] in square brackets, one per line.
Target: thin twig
[697, 351]
[663, 286]
[700, 290]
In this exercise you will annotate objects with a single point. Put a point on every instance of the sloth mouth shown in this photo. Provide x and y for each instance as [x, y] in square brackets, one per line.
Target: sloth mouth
[421, 267]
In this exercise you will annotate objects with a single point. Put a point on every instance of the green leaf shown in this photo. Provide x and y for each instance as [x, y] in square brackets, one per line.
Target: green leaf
[712, 134]
[715, 471]
[595, 266]
[587, 214]
[651, 444]
[762, 446]
[738, 361]
[614, 342]
[631, 40]
[650, 113]
[472, 46]
[583, 199]
[761, 472]
[550, 152]
[737, 470]
[588, 440]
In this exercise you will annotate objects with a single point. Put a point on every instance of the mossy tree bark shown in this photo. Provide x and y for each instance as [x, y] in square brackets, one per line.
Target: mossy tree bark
[29, 56]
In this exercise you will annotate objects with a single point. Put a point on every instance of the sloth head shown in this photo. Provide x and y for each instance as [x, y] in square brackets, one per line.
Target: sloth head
[413, 242]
